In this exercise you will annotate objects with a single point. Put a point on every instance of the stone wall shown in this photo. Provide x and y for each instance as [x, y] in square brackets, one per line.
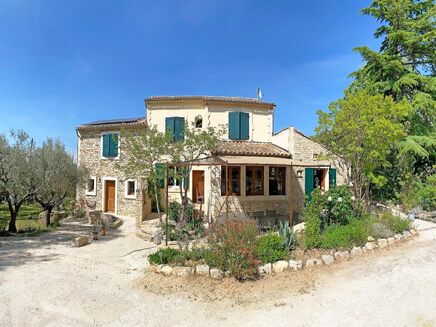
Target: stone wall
[89, 156]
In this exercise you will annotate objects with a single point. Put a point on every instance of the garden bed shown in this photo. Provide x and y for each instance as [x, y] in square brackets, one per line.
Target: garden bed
[302, 259]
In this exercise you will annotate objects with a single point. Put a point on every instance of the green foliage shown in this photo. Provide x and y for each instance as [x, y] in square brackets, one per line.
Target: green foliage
[394, 223]
[174, 211]
[164, 256]
[427, 194]
[234, 248]
[341, 206]
[346, 236]
[288, 236]
[362, 128]
[312, 217]
[379, 230]
[271, 248]
[79, 212]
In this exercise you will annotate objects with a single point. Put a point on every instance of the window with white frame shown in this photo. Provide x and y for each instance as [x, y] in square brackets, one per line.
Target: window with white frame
[130, 189]
[175, 177]
[91, 186]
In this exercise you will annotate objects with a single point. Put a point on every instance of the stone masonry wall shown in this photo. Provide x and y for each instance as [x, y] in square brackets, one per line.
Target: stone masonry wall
[89, 156]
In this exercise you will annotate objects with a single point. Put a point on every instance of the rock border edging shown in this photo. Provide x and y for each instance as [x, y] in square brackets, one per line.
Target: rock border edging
[336, 256]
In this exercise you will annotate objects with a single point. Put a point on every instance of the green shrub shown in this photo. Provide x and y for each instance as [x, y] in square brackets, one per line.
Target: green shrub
[174, 211]
[79, 212]
[271, 248]
[234, 248]
[312, 212]
[340, 206]
[345, 236]
[427, 194]
[394, 223]
[378, 230]
[165, 256]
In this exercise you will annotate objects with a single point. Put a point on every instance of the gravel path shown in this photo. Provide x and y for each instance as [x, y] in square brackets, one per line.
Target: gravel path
[46, 281]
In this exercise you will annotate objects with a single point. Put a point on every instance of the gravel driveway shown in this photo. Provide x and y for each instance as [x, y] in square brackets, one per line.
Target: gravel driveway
[45, 281]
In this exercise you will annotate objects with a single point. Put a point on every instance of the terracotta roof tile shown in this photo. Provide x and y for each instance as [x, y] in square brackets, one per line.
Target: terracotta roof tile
[248, 148]
[209, 99]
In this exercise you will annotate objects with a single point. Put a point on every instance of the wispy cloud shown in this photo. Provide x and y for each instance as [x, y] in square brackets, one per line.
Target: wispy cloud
[75, 49]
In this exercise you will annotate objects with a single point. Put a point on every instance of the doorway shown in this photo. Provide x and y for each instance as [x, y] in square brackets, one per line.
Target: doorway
[319, 180]
[109, 196]
[198, 186]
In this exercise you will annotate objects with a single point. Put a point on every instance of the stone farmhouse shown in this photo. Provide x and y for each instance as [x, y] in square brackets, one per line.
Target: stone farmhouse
[267, 171]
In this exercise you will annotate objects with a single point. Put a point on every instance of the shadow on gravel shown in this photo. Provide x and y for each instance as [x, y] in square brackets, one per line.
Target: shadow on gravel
[18, 250]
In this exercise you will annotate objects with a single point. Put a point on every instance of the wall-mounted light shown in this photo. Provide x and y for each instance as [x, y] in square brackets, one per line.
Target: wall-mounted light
[299, 173]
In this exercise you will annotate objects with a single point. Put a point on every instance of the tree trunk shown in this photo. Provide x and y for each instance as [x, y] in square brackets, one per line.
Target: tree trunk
[156, 196]
[48, 216]
[12, 222]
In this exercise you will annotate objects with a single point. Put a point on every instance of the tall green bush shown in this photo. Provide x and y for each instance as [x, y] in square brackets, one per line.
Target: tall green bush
[346, 236]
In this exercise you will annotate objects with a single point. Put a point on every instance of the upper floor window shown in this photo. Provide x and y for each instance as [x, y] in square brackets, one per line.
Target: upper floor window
[198, 122]
[239, 126]
[175, 128]
[110, 145]
[277, 178]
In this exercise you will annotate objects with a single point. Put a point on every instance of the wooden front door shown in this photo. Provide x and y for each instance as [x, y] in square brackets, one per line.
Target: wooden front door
[198, 186]
[109, 196]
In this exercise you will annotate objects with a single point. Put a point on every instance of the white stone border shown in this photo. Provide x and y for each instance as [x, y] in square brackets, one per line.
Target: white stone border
[282, 265]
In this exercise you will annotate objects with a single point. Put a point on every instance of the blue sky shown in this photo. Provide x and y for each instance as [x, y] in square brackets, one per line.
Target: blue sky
[63, 63]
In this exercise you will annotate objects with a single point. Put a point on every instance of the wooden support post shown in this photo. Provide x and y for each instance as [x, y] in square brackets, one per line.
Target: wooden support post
[227, 190]
[166, 204]
[291, 211]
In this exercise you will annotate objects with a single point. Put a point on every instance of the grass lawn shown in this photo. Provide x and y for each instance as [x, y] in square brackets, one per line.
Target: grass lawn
[27, 220]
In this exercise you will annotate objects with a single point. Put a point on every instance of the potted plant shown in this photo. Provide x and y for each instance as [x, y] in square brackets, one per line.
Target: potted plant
[94, 232]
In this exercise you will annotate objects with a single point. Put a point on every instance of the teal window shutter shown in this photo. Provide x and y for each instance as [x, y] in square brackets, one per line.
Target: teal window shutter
[244, 121]
[186, 181]
[308, 181]
[160, 174]
[234, 125]
[169, 127]
[179, 128]
[113, 145]
[106, 145]
[332, 177]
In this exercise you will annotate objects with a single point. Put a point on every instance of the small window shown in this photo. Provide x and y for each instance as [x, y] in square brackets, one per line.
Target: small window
[254, 180]
[131, 189]
[175, 175]
[175, 128]
[277, 178]
[109, 145]
[198, 122]
[90, 186]
[239, 125]
[234, 180]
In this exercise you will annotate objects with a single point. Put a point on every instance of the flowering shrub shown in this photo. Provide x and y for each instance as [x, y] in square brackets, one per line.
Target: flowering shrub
[234, 248]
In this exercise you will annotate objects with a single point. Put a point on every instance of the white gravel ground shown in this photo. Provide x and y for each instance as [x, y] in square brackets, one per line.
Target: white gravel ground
[45, 281]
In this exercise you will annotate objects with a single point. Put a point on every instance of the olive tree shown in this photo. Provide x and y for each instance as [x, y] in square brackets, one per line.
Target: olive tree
[143, 150]
[195, 144]
[56, 175]
[17, 178]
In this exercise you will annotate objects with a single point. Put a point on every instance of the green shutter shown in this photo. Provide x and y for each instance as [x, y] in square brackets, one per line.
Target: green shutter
[179, 128]
[106, 145]
[244, 120]
[160, 174]
[169, 127]
[186, 181]
[234, 126]
[113, 145]
[308, 181]
[332, 177]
